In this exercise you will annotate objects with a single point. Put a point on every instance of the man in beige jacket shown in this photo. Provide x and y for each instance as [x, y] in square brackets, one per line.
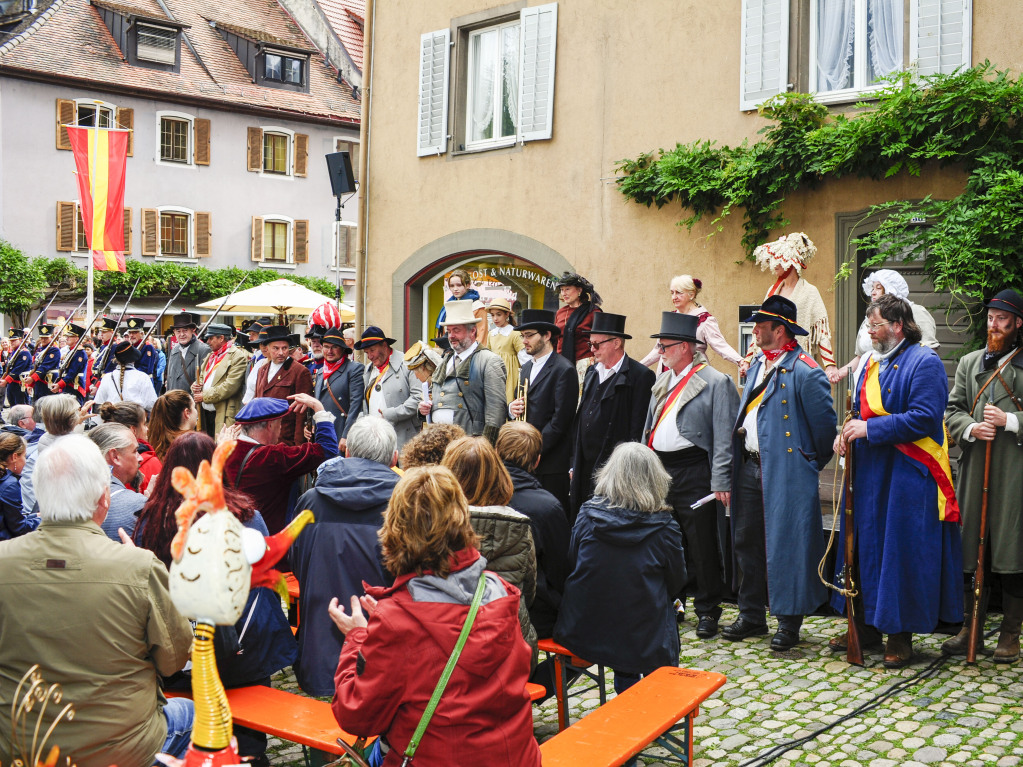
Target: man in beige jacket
[220, 379]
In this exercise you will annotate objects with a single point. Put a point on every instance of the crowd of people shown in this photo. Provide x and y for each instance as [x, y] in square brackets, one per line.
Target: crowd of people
[520, 476]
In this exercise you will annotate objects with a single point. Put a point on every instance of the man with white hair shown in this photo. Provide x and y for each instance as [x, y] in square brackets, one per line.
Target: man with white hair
[21, 420]
[120, 450]
[96, 616]
[340, 551]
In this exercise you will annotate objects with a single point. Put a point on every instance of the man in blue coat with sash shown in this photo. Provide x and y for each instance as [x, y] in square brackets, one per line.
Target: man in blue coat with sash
[74, 379]
[47, 360]
[905, 517]
[22, 363]
[782, 439]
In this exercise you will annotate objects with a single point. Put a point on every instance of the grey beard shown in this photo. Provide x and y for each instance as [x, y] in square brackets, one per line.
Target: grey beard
[885, 346]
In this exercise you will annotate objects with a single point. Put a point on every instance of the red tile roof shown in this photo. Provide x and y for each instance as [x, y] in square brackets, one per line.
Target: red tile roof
[74, 44]
[346, 16]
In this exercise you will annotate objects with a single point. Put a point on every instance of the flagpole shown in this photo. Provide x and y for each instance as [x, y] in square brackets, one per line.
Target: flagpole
[92, 193]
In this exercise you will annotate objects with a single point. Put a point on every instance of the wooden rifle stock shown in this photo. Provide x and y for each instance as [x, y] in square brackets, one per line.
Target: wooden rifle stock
[978, 577]
[853, 649]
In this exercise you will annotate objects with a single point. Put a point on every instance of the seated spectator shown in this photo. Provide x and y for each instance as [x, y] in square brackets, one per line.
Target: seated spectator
[626, 523]
[21, 421]
[13, 519]
[484, 714]
[61, 415]
[428, 446]
[506, 541]
[174, 414]
[337, 554]
[120, 450]
[261, 643]
[96, 616]
[262, 467]
[133, 416]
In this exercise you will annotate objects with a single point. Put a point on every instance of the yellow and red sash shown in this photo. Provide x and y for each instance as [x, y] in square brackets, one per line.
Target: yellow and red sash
[673, 395]
[382, 371]
[925, 451]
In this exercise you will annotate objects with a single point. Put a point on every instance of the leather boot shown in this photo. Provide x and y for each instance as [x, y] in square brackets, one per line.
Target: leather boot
[1008, 640]
[898, 652]
[959, 644]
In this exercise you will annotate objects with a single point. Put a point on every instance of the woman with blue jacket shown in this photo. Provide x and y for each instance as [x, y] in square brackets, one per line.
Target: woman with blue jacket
[13, 520]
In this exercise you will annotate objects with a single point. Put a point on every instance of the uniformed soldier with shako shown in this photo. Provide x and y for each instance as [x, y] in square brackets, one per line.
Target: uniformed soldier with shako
[22, 363]
[147, 353]
[47, 359]
[75, 378]
[108, 336]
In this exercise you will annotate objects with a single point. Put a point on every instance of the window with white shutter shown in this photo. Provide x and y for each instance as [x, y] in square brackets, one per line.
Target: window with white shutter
[764, 68]
[536, 72]
[434, 58]
[940, 35]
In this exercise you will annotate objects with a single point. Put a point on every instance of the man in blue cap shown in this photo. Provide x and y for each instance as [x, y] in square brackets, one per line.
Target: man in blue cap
[782, 439]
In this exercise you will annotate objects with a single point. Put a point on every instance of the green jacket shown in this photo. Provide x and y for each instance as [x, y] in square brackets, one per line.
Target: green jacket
[97, 618]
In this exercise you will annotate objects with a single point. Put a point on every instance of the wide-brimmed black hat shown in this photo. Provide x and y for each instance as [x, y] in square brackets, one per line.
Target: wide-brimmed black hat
[315, 331]
[681, 327]
[372, 336]
[537, 319]
[442, 343]
[126, 354]
[336, 337]
[607, 324]
[257, 325]
[135, 323]
[778, 309]
[1007, 300]
[573, 280]
[186, 320]
[279, 333]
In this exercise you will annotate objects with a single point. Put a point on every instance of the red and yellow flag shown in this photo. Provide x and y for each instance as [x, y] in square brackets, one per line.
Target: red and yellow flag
[100, 158]
[925, 451]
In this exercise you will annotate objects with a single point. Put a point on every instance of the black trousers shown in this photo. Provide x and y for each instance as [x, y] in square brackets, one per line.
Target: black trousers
[690, 481]
[208, 421]
[557, 485]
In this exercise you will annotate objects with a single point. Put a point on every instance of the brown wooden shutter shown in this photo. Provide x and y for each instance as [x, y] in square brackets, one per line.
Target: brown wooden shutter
[126, 119]
[150, 232]
[257, 238]
[66, 112]
[255, 149]
[202, 235]
[301, 154]
[127, 231]
[67, 212]
[301, 245]
[202, 141]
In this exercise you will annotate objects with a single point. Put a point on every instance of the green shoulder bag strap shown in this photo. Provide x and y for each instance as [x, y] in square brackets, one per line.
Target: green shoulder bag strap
[438, 691]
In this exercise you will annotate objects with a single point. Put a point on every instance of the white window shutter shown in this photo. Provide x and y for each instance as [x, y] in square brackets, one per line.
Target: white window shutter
[434, 59]
[537, 48]
[940, 33]
[764, 69]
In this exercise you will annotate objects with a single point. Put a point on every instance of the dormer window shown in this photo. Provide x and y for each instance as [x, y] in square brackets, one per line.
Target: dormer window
[282, 68]
[153, 42]
[157, 44]
[272, 61]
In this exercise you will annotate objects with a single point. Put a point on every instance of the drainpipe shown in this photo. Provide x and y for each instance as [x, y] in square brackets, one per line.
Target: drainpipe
[361, 251]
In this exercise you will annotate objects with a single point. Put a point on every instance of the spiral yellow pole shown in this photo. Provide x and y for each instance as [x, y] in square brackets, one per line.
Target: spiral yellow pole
[212, 728]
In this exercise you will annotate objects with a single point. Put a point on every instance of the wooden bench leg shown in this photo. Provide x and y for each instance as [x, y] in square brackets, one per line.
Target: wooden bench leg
[561, 691]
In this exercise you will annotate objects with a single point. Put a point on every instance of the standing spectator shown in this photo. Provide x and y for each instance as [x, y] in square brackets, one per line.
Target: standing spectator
[575, 320]
[782, 440]
[125, 383]
[506, 342]
[120, 450]
[339, 383]
[628, 523]
[392, 391]
[60, 414]
[688, 425]
[340, 551]
[132, 416]
[183, 360]
[262, 466]
[612, 409]
[220, 381]
[21, 420]
[22, 363]
[173, 414]
[551, 389]
[13, 519]
[96, 616]
[282, 377]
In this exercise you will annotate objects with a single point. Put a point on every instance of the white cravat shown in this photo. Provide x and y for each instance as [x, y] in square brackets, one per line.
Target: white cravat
[538, 363]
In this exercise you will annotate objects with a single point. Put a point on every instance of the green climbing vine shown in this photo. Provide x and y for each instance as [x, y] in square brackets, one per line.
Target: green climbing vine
[972, 244]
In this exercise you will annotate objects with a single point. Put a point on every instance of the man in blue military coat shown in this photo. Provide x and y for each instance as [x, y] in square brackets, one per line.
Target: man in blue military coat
[74, 377]
[21, 363]
[107, 327]
[47, 359]
[147, 352]
[781, 440]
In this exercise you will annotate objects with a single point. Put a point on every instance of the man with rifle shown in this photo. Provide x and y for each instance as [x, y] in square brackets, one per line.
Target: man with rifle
[47, 360]
[107, 336]
[73, 375]
[136, 335]
[20, 362]
[905, 520]
[985, 411]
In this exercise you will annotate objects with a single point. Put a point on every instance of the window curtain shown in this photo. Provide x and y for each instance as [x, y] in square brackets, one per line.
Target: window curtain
[511, 81]
[884, 37]
[484, 53]
[836, 22]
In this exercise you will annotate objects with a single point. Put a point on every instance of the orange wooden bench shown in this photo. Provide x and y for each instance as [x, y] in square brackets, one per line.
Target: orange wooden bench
[564, 659]
[646, 713]
[293, 594]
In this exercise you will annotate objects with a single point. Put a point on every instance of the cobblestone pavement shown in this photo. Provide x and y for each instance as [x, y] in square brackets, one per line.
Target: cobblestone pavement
[953, 715]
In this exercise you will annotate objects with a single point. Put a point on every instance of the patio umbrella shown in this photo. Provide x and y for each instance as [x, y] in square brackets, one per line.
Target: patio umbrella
[280, 297]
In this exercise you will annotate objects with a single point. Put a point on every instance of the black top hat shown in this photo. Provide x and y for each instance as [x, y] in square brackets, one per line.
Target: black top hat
[279, 333]
[778, 309]
[537, 319]
[45, 331]
[186, 320]
[135, 323]
[74, 330]
[372, 336]
[315, 331]
[1007, 300]
[126, 354]
[681, 327]
[607, 324]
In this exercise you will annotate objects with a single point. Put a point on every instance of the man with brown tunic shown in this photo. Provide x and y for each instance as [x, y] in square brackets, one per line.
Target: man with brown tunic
[282, 377]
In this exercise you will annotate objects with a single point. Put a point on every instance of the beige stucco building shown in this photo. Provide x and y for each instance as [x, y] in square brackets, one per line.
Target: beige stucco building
[453, 181]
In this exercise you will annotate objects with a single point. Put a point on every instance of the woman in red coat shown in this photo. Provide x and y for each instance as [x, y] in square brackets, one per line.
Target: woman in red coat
[575, 318]
[390, 662]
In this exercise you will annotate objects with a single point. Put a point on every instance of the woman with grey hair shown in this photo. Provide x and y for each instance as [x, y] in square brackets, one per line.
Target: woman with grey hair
[627, 565]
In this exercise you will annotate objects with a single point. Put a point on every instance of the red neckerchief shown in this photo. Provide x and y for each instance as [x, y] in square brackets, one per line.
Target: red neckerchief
[214, 359]
[774, 288]
[329, 368]
[773, 354]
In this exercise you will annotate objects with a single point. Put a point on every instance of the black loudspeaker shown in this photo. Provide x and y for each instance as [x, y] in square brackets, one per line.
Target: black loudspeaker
[339, 168]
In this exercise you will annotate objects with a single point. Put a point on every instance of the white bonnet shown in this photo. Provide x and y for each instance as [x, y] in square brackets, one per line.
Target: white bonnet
[893, 282]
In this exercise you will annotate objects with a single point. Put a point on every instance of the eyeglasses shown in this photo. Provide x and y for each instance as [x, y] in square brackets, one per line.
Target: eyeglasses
[876, 325]
[529, 333]
[596, 344]
[664, 347]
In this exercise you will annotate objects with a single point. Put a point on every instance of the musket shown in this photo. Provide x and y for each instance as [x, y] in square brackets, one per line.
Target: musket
[28, 334]
[110, 346]
[978, 577]
[67, 360]
[35, 367]
[220, 308]
[853, 649]
[156, 322]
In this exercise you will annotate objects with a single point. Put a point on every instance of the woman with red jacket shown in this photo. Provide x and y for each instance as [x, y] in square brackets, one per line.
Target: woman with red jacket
[133, 415]
[575, 320]
[391, 661]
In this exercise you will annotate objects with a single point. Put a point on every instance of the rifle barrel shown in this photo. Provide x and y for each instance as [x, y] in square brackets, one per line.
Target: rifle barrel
[978, 578]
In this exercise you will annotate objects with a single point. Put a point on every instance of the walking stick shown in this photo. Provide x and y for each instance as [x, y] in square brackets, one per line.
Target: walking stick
[853, 650]
[978, 576]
